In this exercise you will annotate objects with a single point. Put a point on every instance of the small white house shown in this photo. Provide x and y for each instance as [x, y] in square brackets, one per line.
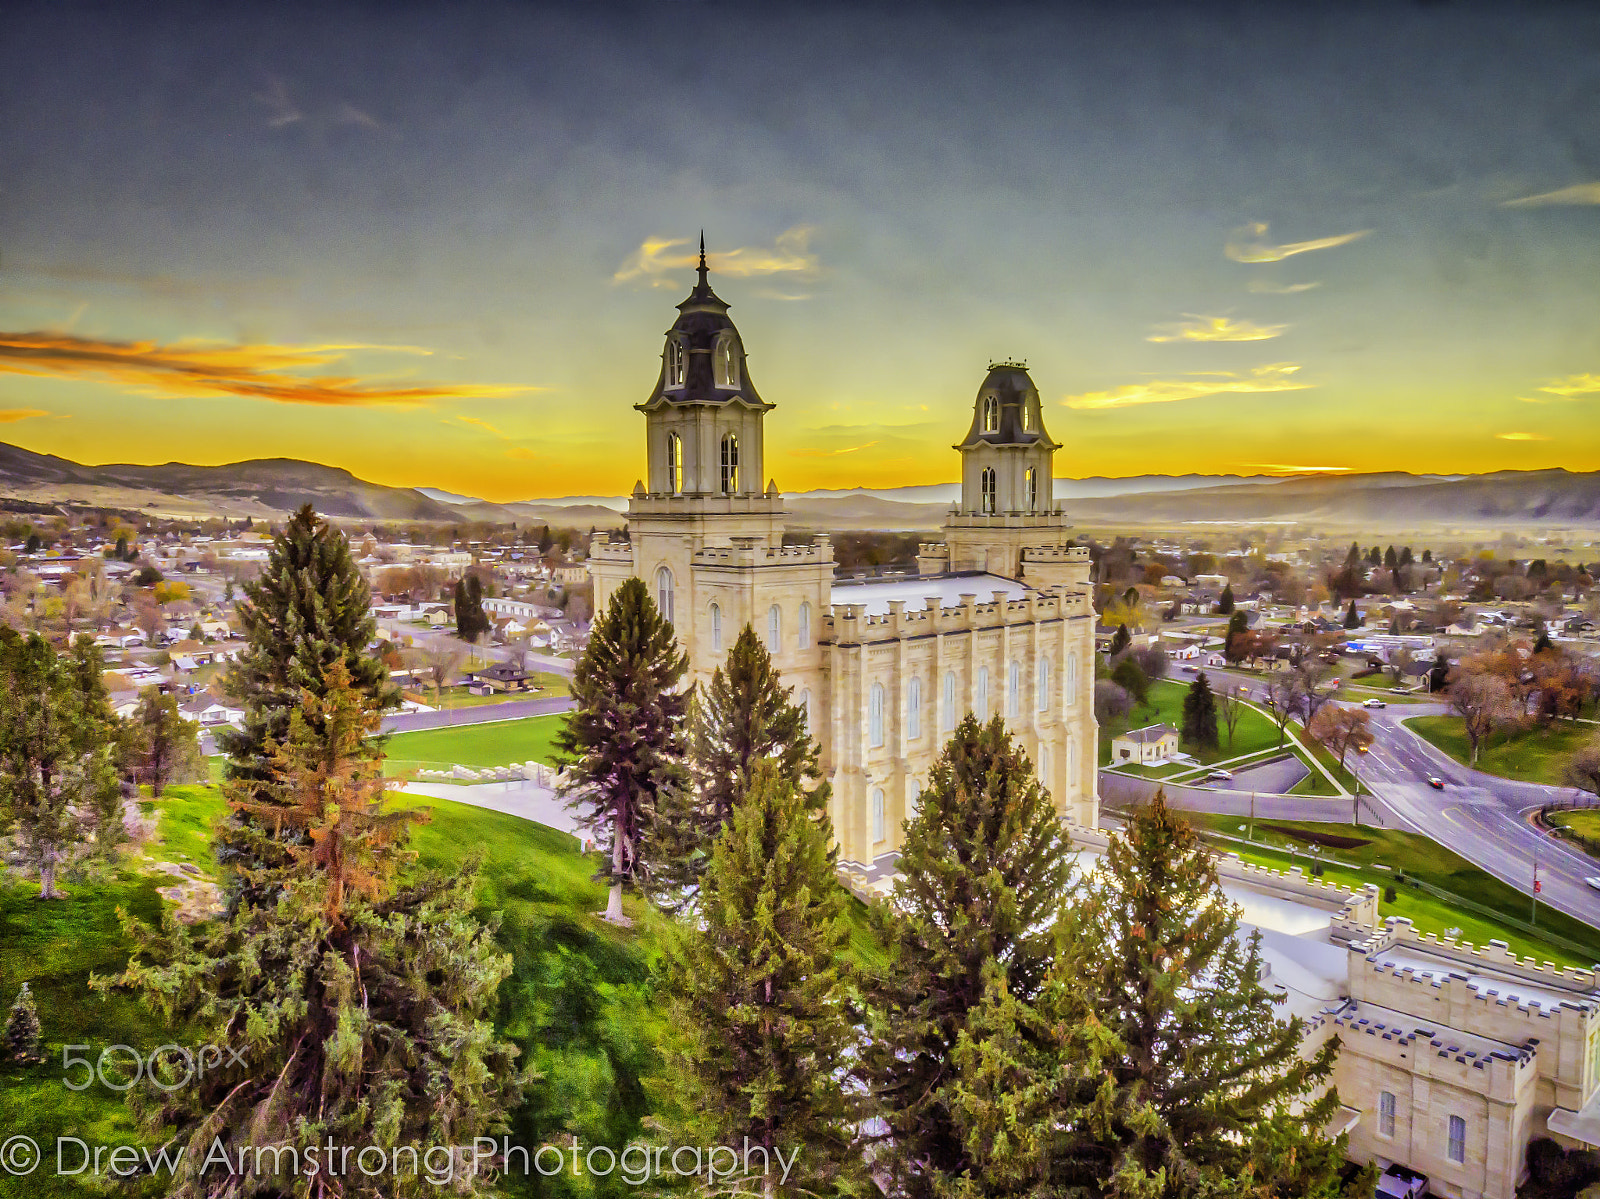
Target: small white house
[1152, 744]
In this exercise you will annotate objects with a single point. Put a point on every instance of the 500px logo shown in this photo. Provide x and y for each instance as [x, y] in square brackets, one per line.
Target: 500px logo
[119, 1067]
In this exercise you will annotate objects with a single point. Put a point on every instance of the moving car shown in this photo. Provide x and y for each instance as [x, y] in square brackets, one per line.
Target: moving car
[1374, 703]
[1593, 882]
[1191, 670]
[1221, 776]
[1436, 782]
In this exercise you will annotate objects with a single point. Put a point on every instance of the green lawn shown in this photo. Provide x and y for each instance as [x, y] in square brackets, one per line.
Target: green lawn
[544, 686]
[1254, 733]
[1581, 826]
[498, 743]
[1532, 755]
[1559, 938]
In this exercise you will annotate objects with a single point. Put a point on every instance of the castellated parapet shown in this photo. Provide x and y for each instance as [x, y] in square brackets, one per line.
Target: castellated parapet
[1493, 1073]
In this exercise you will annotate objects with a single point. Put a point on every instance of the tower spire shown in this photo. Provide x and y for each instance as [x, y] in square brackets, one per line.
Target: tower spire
[702, 268]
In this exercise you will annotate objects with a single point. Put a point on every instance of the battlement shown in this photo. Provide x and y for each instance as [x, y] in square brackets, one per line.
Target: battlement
[1493, 1068]
[606, 550]
[1049, 518]
[666, 503]
[745, 553]
[1056, 553]
[932, 549]
[848, 624]
[1399, 934]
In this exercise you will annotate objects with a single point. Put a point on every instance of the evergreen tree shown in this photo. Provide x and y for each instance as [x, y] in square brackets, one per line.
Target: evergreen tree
[359, 1008]
[1391, 560]
[471, 621]
[1120, 640]
[1238, 624]
[1352, 618]
[33, 544]
[760, 992]
[1374, 556]
[1225, 601]
[625, 741]
[19, 1041]
[1155, 942]
[159, 745]
[58, 782]
[309, 609]
[983, 873]
[1200, 715]
[1542, 642]
[743, 717]
[1128, 675]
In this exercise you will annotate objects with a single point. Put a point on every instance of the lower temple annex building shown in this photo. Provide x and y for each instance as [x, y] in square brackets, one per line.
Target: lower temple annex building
[999, 618]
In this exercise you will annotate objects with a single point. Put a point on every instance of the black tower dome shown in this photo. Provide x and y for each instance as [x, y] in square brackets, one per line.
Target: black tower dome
[703, 361]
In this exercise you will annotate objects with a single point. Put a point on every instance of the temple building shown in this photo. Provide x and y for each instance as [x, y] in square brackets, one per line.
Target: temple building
[997, 619]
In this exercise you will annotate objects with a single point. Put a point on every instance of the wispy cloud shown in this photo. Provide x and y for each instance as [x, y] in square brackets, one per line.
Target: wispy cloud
[1578, 193]
[789, 254]
[1214, 328]
[1573, 387]
[482, 424]
[1285, 468]
[1522, 437]
[280, 106]
[1248, 244]
[1278, 376]
[10, 416]
[806, 452]
[1266, 287]
[209, 369]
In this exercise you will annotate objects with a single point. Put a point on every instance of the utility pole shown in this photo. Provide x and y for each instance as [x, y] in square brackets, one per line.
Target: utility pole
[1534, 895]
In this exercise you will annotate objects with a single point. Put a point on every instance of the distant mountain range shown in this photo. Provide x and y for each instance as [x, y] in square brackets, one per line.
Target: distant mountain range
[267, 487]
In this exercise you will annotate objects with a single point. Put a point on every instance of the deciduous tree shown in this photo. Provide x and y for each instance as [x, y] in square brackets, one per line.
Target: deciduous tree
[1340, 729]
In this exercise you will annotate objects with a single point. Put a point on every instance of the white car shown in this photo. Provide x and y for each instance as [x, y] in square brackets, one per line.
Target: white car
[1222, 776]
[1374, 703]
[1593, 882]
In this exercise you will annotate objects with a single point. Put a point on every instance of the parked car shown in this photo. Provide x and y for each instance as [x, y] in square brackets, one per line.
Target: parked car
[1191, 670]
[1374, 703]
[1436, 782]
[1221, 776]
[1593, 882]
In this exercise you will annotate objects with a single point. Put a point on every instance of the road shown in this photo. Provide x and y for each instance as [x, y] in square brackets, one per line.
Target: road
[1484, 818]
[422, 638]
[409, 722]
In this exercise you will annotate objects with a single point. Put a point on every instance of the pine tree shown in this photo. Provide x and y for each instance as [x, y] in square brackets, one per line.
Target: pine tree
[1155, 942]
[1225, 601]
[360, 1008]
[1542, 642]
[58, 783]
[1238, 624]
[1352, 618]
[1120, 640]
[983, 872]
[760, 991]
[1200, 715]
[309, 609]
[743, 717]
[19, 1041]
[471, 621]
[625, 741]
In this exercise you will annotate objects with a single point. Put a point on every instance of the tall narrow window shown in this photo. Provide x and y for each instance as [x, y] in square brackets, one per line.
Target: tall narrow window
[674, 362]
[987, 489]
[716, 628]
[1072, 679]
[802, 636]
[1458, 1139]
[730, 464]
[980, 698]
[725, 360]
[1072, 762]
[1386, 1113]
[875, 716]
[991, 413]
[1044, 767]
[914, 709]
[1027, 417]
[774, 629]
[913, 798]
[675, 463]
[664, 593]
[877, 815]
[947, 723]
[1030, 487]
[1014, 690]
[804, 703]
[1042, 686]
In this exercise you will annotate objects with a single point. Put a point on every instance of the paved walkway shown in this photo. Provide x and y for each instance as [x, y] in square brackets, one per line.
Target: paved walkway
[520, 797]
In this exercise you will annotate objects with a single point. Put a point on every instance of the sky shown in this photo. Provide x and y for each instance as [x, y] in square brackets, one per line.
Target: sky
[438, 245]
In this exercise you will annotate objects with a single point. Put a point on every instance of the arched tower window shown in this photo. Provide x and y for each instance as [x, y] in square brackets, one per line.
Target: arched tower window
[802, 637]
[914, 709]
[716, 628]
[725, 361]
[664, 593]
[988, 490]
[774, 629]
[875, 716]
[991, 413]
[1030, 487]
[947, 723]
[1042, 700]
[675, 463]
[1014, 690]
[980, 700]
[730, 464]
[878, 831]
[1027, 417]
[675, 362]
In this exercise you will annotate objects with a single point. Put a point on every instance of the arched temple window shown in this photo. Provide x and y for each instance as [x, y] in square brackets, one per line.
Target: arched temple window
[914, 709]
[664, 593]
[730, 464]
[774, 629]
[675, 464]
[802, 637]
[716, 628]
[991, 413]
[987, 490]
[875, 716]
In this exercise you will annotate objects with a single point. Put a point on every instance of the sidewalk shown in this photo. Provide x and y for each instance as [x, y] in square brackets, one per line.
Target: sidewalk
[520, 797]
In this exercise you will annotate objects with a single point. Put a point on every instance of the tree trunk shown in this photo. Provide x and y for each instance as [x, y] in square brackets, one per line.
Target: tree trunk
[613, 911]
[47, 877]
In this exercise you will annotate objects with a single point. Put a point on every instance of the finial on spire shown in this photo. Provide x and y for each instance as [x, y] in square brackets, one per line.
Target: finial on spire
[702, 267]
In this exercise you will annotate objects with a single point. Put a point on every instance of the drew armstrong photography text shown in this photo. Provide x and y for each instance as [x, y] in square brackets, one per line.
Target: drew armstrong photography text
[636, 1164]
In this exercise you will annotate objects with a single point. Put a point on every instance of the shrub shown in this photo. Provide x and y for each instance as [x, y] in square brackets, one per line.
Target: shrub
[1388, 895]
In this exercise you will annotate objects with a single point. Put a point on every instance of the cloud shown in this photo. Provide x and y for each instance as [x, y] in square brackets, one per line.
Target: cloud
[10, 416]
[1578, 193]
[281, 108]
[1274, 377]
[210, 369]
[1284, 468]
[816, 453]
[1522, 437]
[1571, 388]
[1267, 287]
[1246, 244]
[482, 424]
[1214, 328]
[790, 254]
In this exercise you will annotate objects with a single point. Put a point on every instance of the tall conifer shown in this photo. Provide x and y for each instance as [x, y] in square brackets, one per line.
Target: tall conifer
[1200, 715]
[760, 989]
[625, 742]
[984, 873]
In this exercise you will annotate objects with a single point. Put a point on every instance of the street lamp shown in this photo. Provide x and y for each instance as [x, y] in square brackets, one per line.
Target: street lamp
[1355, 773]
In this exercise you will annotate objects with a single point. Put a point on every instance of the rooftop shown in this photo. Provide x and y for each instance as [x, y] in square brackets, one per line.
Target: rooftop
[874, 597]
